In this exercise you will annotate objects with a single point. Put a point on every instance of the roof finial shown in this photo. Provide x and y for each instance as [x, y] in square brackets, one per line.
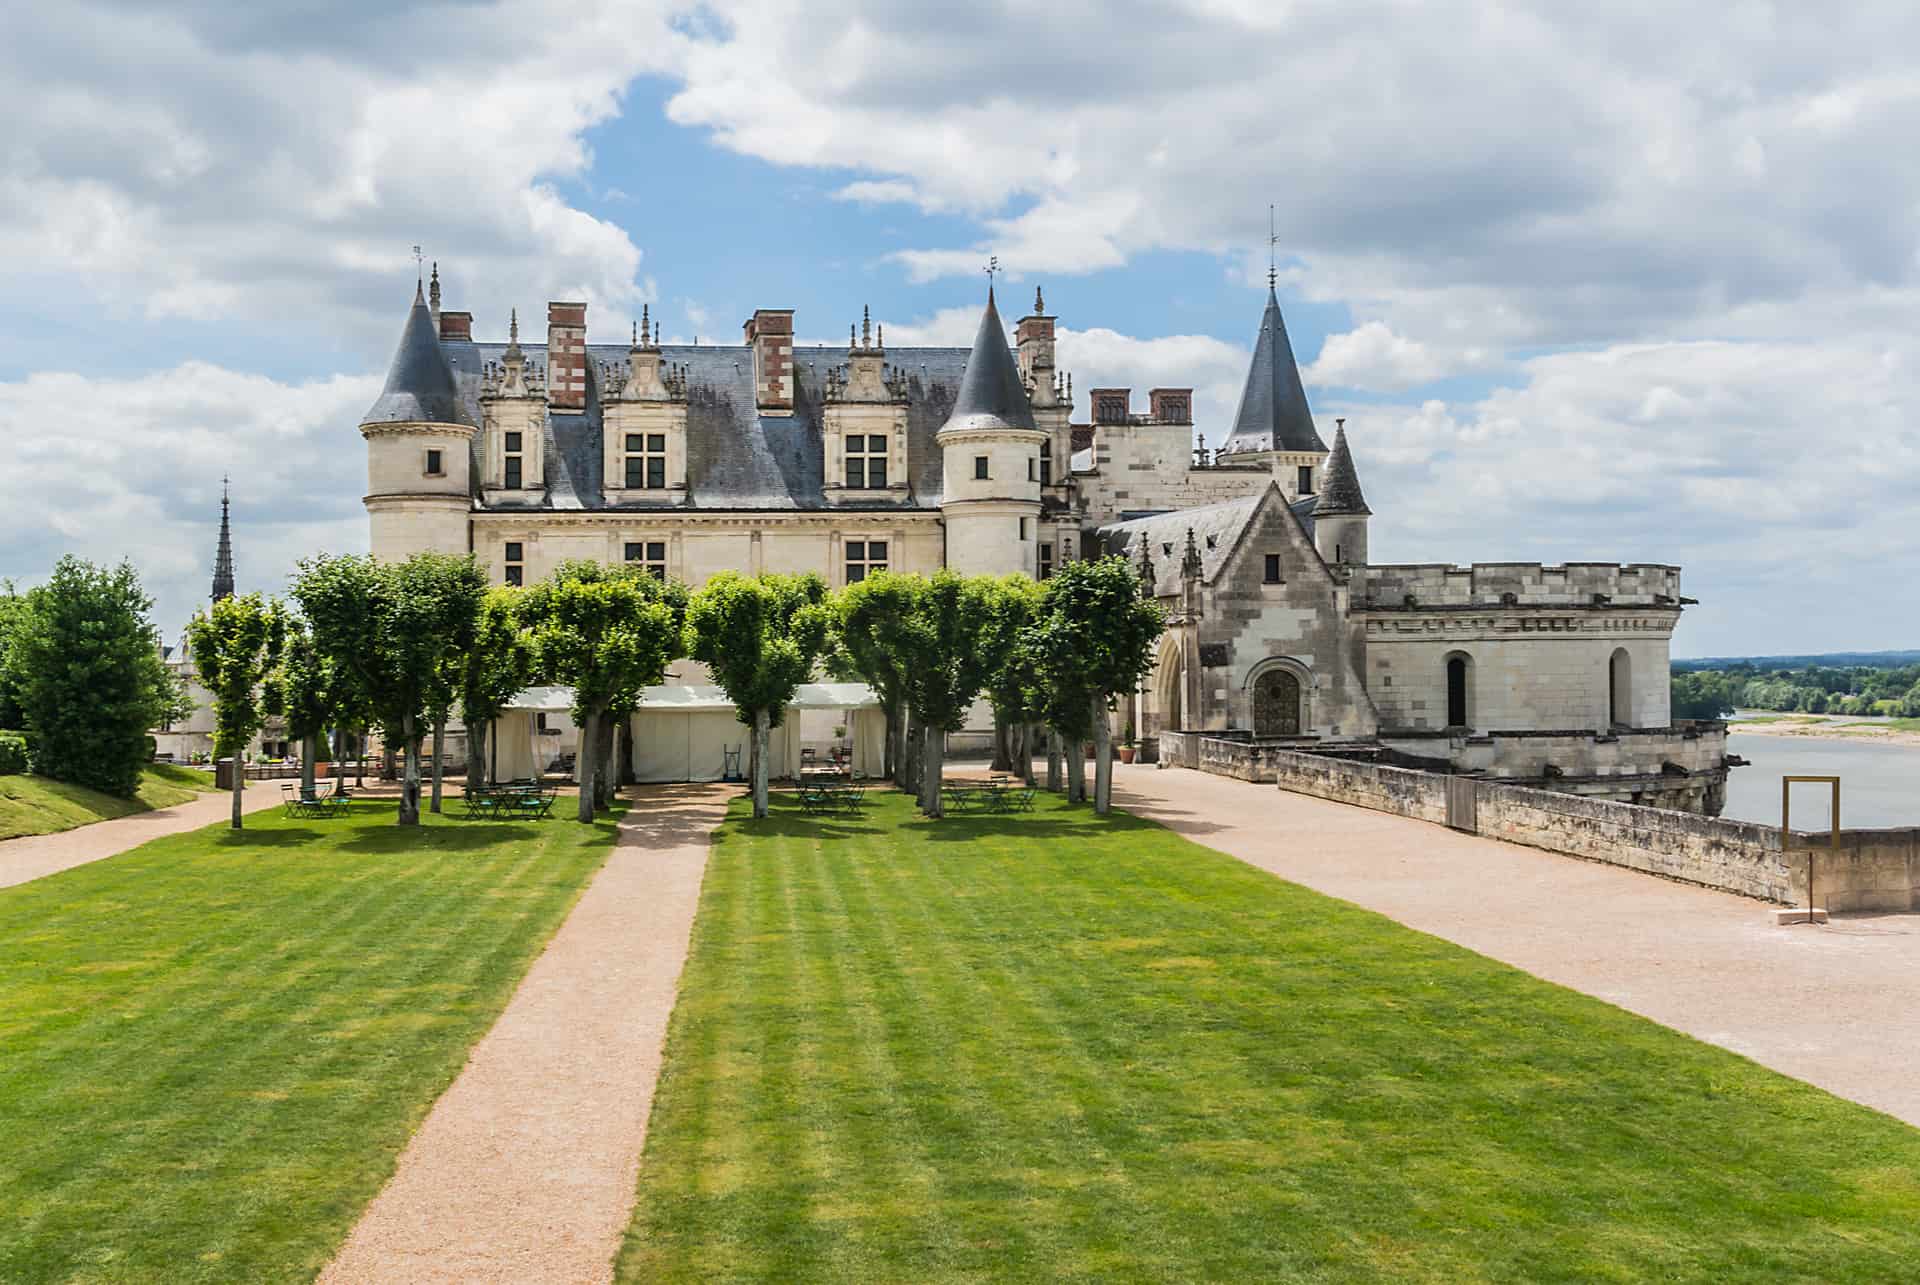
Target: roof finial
[866, 326]
[433, 289]
[880, 336]
[419, 268]
[992, 270]
[636, 337]
[1039, 303]
[1190, 565]
[1147, 574]
[1273, 239]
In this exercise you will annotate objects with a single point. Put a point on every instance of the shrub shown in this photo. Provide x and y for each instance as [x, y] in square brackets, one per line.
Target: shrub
[13, 754]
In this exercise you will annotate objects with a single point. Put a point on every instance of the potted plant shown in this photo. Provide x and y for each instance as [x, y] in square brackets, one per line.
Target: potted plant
[1126, 743]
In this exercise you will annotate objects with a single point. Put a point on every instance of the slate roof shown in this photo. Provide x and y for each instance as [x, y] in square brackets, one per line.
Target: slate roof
[737, 459]
[1216, 529]
[992, 394]
[1340, 490]
[1273, 414]
[420, 386]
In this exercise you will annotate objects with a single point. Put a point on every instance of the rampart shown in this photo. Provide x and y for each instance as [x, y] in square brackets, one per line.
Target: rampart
[1526, 584]
[1870, 870]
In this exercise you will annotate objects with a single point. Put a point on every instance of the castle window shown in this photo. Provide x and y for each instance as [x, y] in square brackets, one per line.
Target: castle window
[516, 569]
[1046, 468]
[864, 556]
[1459, 690]
[646, 461]
[980, 466]
[1306, 479]
[866, 461]
[512, 459]
[1046, 559]
[1033, 468]
[1273, 568]
[651, 554]
[1026, 528]
[434, 465]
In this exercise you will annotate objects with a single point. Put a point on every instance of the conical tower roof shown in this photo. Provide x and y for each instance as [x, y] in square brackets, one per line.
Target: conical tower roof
[223, 554]
[1273, 413]
[419, 383]
[1340, 491]
[991, 394]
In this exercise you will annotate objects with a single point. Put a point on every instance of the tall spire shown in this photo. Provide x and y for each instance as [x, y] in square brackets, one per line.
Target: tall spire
[223, 554]
[1273, 414]
[992, 394]
[1340, 491]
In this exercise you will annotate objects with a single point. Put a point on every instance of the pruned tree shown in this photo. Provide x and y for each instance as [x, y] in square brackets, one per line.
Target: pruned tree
[1010, 687]
[391, 627]
[303, 686]
[867, 618]
[1093, 641]
[498, 667]
[236, 644]
[947, 648]
[760, 638]
[606, 636]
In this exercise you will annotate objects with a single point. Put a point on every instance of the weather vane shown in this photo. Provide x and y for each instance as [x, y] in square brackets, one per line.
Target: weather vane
[993, 266]
[418, 260]
[1273, 239]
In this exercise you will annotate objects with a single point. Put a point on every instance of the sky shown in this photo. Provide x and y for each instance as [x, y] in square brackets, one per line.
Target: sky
[1628, 282]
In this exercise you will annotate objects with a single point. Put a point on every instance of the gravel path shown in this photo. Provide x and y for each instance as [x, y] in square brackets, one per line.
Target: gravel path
[1833, 1005]
[36, 855]
[525, 1169]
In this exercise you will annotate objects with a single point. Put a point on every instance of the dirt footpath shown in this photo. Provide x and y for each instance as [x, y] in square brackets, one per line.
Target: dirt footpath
[1833, 1005]
[525, 1169]
[36, 855]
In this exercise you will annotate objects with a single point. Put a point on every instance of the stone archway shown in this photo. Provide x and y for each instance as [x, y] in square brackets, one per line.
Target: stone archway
[1277, 704]
[1170, 675]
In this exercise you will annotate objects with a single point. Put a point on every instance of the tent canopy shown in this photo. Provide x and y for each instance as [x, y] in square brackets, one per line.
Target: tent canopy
[689, 698]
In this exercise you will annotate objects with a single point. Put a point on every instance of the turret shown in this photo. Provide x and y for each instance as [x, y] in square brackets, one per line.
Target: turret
[1340, 515]
[1273, 424]
[419, 440]
[990, 451]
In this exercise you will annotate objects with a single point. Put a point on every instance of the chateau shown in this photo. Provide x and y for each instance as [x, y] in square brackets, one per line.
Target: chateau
[764, 456]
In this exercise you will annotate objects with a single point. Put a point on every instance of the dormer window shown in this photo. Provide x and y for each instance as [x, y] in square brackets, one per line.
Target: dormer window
[512, 457]
[646, 461]
[866, 461]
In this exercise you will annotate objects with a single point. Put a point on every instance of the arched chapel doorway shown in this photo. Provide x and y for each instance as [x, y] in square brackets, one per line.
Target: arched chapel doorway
[1276, 703]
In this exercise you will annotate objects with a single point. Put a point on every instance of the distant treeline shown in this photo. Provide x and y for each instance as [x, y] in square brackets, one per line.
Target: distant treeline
[1827, 659]
[1880, 684]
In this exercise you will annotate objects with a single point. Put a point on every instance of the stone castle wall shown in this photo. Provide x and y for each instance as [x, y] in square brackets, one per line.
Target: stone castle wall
[1532, 584]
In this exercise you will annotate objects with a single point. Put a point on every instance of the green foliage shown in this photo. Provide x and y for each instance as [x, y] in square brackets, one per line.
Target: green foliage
[11, 605]
[1015, 602]
[604, 635]
[759, 637]
[950, 645]
[500, 663]
[236, 643]
[1859, 690]
[1093, 639]
[13, 754]
[304, 684]
[83, 664]
[1702, 695]
[866, 620]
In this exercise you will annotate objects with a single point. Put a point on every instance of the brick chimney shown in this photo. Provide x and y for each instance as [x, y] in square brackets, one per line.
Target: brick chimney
[1111, 405]
[1170, 405]
[770, 335]
[567, 356]
[456, 325]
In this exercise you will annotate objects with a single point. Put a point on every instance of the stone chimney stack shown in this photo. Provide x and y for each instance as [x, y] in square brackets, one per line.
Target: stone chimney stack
[770, 334]
[1034, 337]
[567, 356]
[456, 325]
[1170, 405]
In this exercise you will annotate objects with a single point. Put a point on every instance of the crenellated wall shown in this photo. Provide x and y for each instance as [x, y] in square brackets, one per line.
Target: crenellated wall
[1529, 583]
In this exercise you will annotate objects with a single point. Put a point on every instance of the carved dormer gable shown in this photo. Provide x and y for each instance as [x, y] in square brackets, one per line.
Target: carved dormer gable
[865, 422]
[644, 426]
[513, 416]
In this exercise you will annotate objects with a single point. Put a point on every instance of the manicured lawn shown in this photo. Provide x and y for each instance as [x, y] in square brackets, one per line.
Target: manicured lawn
[35, 805]
[1050, 1048]
[213, 1048]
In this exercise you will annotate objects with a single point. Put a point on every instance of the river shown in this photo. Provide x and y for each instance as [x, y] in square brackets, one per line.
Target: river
[1879, 784]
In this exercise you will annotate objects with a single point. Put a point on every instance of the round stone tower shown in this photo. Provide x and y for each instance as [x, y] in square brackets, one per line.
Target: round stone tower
[419, 449]
[1340, 514]
[990, 454]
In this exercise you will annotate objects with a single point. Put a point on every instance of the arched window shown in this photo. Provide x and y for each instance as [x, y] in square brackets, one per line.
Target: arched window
[1620, 688]
[1459, 690]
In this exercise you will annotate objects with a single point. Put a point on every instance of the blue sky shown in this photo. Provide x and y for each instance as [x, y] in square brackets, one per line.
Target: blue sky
[1611, 285]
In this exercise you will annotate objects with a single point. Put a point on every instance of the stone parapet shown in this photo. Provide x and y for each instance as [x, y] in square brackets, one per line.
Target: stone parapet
[1526, 584]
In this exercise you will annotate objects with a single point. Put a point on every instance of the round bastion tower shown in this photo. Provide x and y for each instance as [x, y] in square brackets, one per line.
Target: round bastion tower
[419, 449]
[990, 454]
[1340, 515]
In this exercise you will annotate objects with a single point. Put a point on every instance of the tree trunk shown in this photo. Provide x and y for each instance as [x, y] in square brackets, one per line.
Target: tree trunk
[476, 755]
[409, 773]
[1076, 771]
[309, 747]
[890, 753]
[761, 723]
[439, 757]
[931, 802]
[603, 777]
[753, 759]
[1053, 761]
[1002, 753]
[1026, 752]
[339, 762]
[625, 775]
[910, 742]
[1102, 757]
[584, 760]
[360, 760]
[239, 784]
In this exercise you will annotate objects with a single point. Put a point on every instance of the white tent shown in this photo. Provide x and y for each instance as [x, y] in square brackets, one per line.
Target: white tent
[683, 732]
[520, 750]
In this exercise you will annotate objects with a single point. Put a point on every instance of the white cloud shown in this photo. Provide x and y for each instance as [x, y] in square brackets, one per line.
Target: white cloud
[113, 468]
[1373, 358]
